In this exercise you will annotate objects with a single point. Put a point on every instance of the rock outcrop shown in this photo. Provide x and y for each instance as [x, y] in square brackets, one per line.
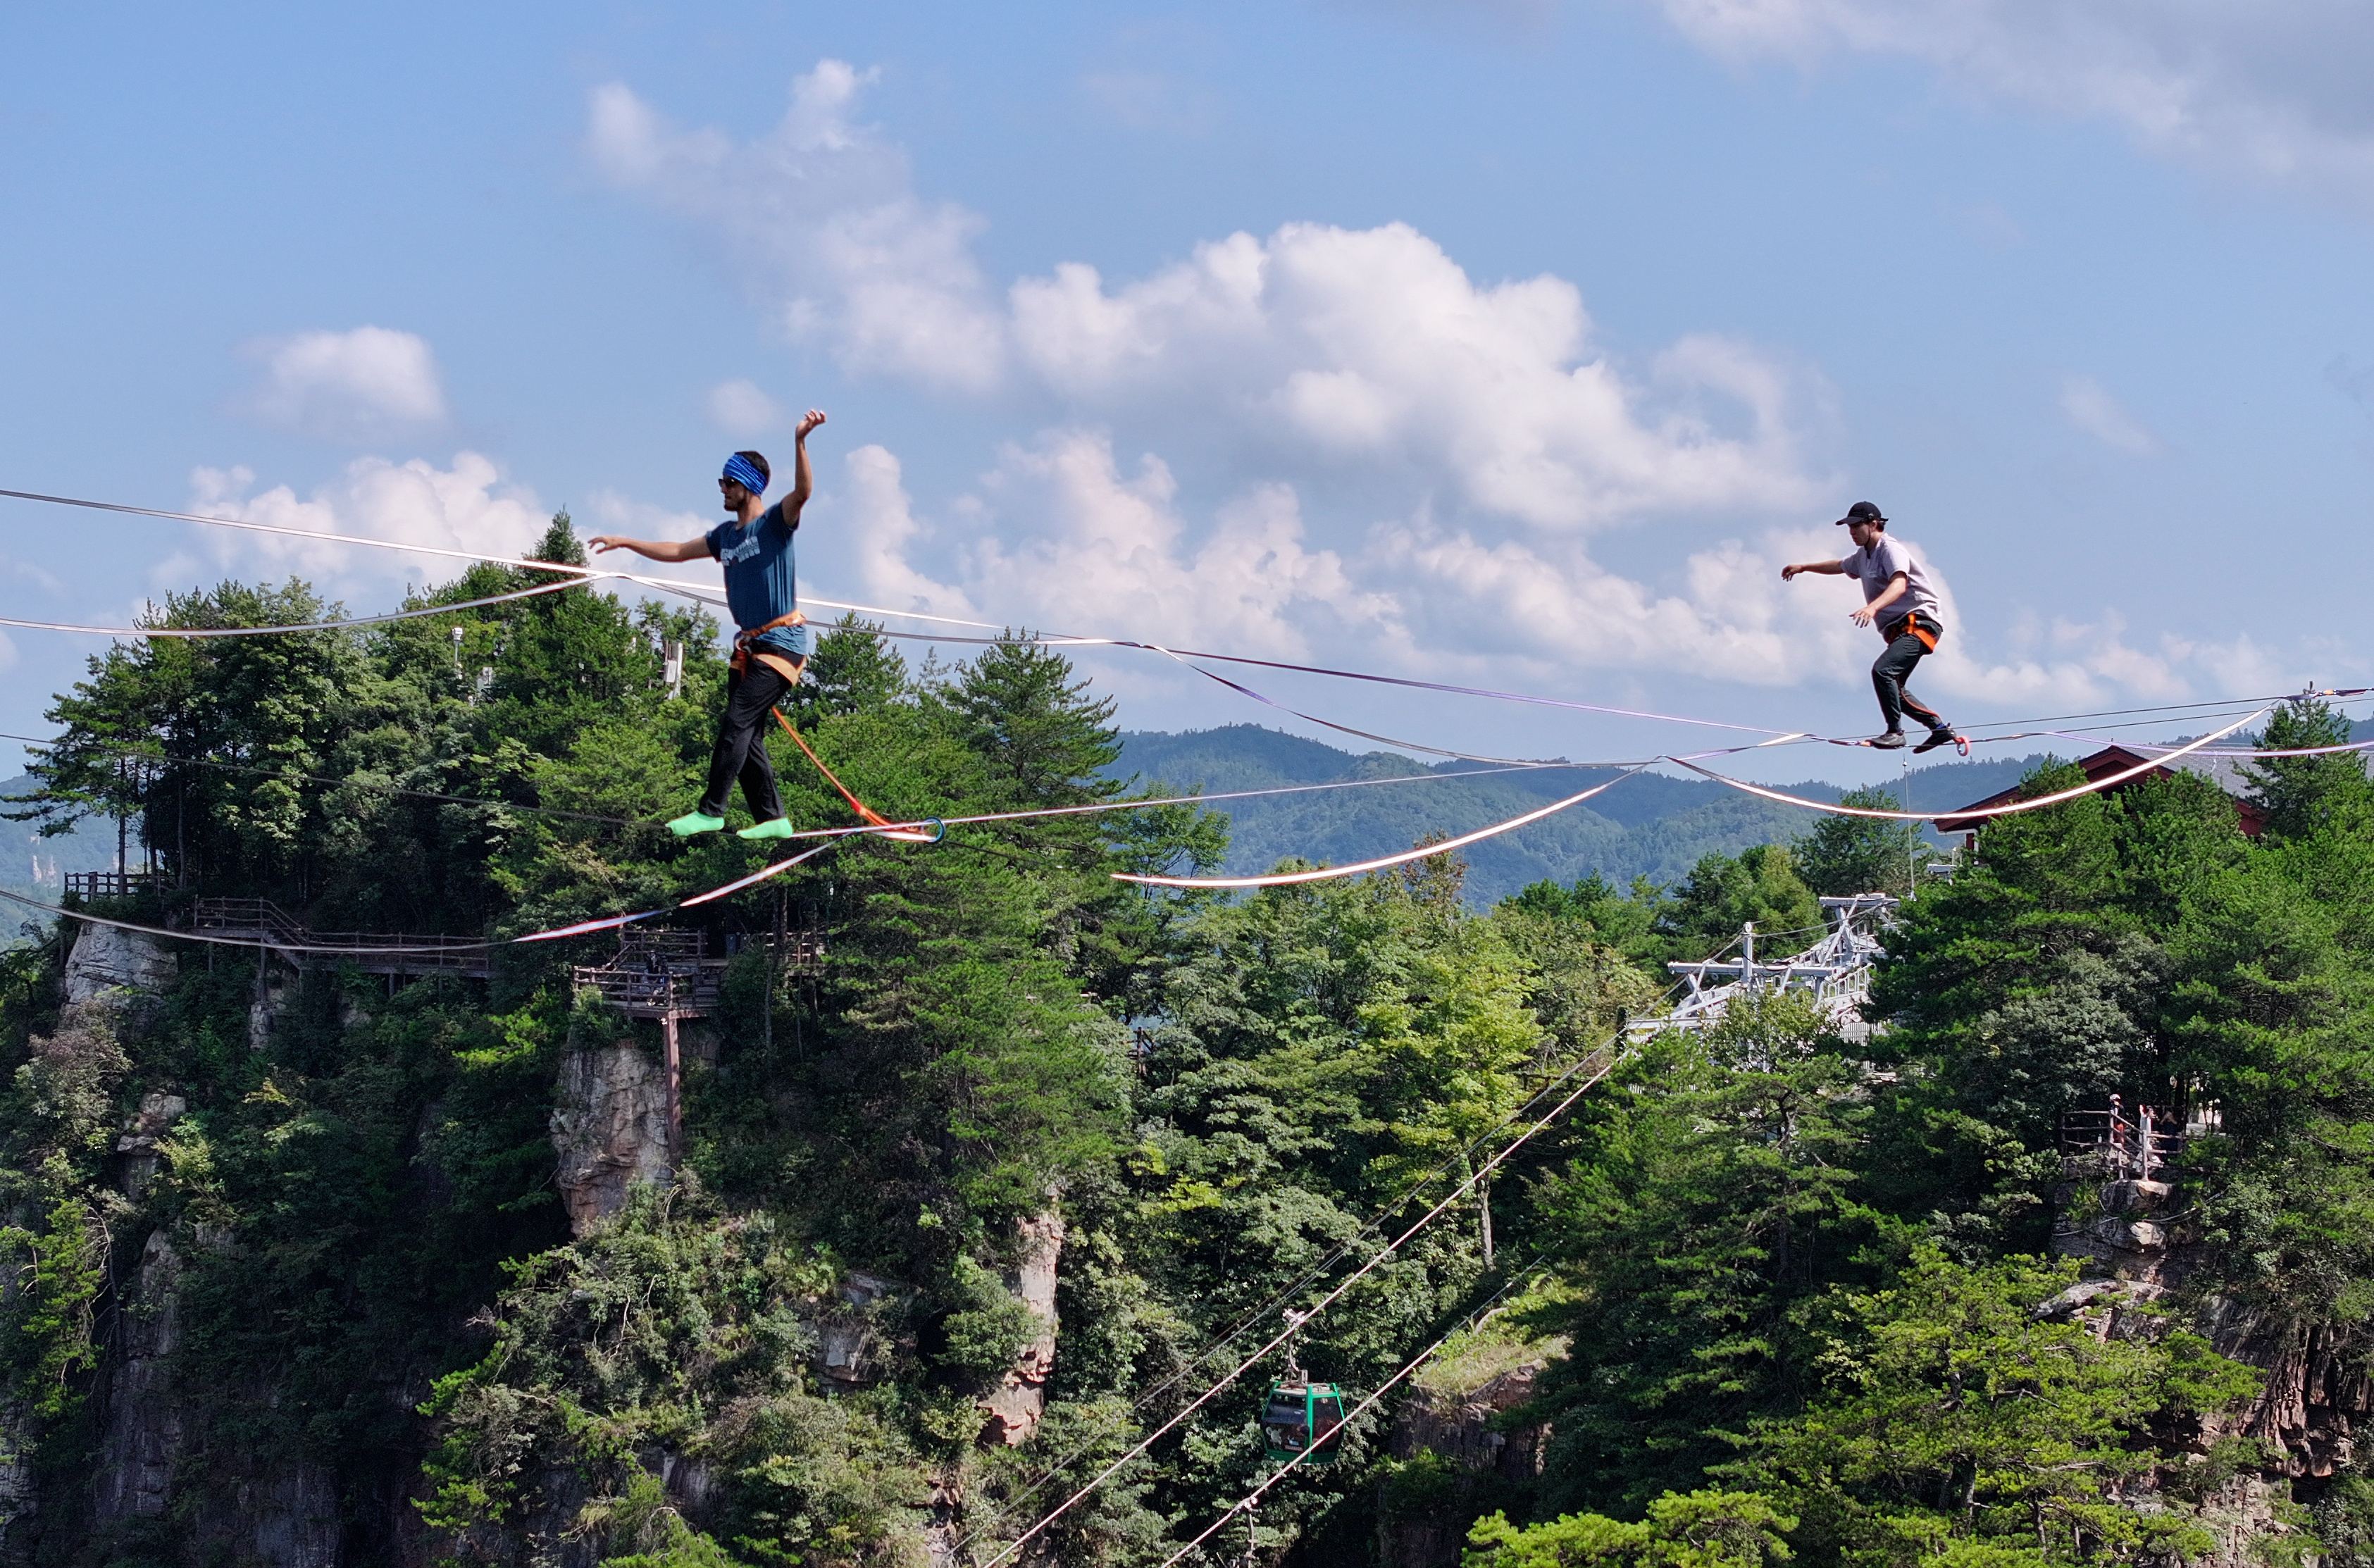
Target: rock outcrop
[2318, 1391]
[609, 1128]
[1014, 1405]
[115, 965]
[1454, 1415]
[851, 1346]
[137, 1144]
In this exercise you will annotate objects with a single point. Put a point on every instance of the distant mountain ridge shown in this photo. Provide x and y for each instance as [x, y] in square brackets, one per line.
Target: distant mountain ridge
[1649, 825]
[36, 866]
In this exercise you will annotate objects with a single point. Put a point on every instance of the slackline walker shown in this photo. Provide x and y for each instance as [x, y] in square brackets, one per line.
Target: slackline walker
[770, 647]
[1899, 605]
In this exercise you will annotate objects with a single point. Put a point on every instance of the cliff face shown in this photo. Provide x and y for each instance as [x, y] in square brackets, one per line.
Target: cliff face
[609, 1128]
[2317, 1395]
[1452, 1433]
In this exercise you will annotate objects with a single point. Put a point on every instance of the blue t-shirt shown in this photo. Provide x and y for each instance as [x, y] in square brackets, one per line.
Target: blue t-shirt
[759, 582]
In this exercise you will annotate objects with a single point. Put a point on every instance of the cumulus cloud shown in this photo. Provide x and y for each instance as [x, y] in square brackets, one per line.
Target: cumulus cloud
[742, 410]
[1315, 345]
[820, 218]
[1411, 466]
[1060, 536]
[1369, 345]
[2274, 89]
[2091, 409]
[348, 386]
[465, 507]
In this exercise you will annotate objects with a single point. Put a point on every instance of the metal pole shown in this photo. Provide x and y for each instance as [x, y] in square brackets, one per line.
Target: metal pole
[1747, 955]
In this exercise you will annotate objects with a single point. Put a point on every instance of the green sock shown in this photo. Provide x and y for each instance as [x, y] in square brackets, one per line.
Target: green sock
[779, 827]
[691, 822]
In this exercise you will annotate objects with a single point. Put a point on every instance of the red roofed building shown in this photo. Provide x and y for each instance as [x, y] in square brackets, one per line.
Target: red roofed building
[2223, 771]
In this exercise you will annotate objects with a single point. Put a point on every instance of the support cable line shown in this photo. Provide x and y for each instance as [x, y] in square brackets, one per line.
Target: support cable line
[707, 594]
[2108, 781]
[1375, 1223]
[1475, 1319]
[339, 626]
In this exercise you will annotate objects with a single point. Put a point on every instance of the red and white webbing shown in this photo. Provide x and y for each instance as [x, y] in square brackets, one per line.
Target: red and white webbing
[2091, 787]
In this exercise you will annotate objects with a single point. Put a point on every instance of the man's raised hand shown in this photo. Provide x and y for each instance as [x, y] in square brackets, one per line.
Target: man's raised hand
[814, 418]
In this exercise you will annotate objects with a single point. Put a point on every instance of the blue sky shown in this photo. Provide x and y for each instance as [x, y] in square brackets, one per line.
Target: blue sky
[1510, 345]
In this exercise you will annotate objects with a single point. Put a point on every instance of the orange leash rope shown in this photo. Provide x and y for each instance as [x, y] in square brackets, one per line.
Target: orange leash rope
[865, 813]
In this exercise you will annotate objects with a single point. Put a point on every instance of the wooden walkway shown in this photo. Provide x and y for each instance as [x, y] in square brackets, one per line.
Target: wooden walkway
[268, 925]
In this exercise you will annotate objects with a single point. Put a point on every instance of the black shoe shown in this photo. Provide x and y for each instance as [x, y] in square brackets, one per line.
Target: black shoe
[1888, 741]
[1943, 735]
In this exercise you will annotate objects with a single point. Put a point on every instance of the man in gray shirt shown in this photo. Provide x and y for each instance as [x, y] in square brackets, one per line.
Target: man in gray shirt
[1897, 599]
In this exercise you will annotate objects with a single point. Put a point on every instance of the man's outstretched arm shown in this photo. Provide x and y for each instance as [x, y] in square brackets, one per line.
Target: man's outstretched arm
[1819, 568]
[802, 478]
[657, 549]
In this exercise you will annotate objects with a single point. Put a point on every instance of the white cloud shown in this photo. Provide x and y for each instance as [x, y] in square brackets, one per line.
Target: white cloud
[348, 386]
[820, 217]
[1058, 537]
[1361, 346]
[742, 410]
[466, 507]
[2091, 409]
[2272, 88]
[1411, 465]
[884, 529]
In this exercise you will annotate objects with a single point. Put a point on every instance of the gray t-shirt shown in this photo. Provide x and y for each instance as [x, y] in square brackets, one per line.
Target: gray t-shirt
[1876, 567]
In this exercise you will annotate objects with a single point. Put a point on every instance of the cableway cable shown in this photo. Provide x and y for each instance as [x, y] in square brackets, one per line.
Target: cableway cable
[707, 594]
[193, 633]
[1605, 1059]
[1375, 1222]
[1475, 1319]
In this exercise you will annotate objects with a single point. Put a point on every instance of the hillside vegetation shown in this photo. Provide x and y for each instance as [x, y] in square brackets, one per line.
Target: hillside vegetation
[302, 1267]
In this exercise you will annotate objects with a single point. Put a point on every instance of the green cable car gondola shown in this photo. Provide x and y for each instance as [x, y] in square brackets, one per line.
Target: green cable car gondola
[1302, 1419]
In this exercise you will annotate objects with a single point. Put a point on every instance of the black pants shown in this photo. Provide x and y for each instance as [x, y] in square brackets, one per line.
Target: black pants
[1889, 673]
[742, 745]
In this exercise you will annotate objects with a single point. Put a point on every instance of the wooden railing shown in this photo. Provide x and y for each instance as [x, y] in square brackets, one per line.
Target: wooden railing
[109, 884]
[262, 920]
[656, 973]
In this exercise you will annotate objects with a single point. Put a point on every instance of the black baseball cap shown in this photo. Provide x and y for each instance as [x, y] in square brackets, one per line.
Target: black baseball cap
[1862, 511]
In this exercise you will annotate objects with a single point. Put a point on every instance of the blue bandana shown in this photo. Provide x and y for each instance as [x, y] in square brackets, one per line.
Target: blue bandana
[740, 470]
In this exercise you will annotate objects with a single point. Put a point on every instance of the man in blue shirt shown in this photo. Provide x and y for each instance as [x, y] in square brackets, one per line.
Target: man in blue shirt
[770, 648]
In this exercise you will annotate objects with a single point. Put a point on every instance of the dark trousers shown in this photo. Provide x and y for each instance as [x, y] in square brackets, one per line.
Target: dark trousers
[1889, 673]
[742, 745]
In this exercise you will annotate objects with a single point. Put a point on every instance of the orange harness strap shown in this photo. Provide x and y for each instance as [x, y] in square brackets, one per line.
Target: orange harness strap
[863, 810]
[1919, 626]
[781, 664]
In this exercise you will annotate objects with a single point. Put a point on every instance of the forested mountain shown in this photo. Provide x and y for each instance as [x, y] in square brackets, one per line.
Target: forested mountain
[1652, 826]
[32, 864]
[993, 1164]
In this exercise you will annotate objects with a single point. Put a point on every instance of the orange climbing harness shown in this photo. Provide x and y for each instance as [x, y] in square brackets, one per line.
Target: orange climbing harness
[783, 664]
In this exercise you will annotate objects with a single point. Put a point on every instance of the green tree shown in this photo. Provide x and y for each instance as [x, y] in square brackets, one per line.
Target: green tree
[1697, 1530]
[1709, 1202]
[1844, 855]
[1961, 1408]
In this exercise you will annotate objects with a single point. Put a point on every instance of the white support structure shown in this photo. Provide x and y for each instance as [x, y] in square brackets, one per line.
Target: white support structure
[1834, 971]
